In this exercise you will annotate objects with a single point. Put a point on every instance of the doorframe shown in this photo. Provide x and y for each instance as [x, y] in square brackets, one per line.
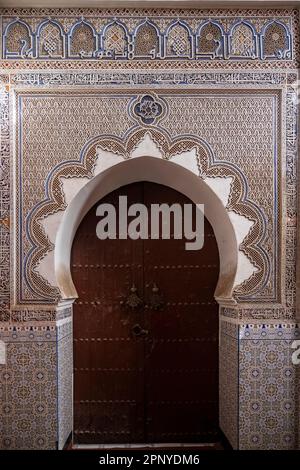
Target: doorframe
[145, 168]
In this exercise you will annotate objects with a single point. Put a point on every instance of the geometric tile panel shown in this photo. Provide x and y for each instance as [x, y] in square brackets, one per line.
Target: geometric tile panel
[259, 385]
[28, 394]
[269, 392]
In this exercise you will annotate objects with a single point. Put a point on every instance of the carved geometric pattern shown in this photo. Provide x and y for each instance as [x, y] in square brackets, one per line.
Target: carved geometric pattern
[276, 41]
[146, 43]
[115, 41]
[148, 109]
[50, 41]
[179, 41]
[243, 42]
[274, 391]
[4, 204]
[18, 39]
[237, 201]
[83, 41]
[210, 41]
[103, 78]
[157, 34]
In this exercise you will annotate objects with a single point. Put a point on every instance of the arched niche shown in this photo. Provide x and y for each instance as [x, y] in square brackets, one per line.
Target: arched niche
[157, 171]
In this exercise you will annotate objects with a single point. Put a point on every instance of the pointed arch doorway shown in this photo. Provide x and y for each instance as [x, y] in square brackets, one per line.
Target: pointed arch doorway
[145, 360]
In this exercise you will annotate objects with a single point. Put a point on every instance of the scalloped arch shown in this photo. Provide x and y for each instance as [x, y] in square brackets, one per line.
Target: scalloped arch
[169, 149]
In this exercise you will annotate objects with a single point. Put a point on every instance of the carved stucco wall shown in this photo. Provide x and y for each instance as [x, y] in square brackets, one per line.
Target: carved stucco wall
[224, 94]
[253, 131]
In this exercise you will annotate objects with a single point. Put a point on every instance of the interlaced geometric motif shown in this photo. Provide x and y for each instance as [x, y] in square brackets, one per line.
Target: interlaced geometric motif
[115, 40]
[275, 41]
[178, 41]
[18, 39]
[160, 35]
[50, 41]
[210, 41]
[257, 377]
[243, 42]
[148, 109]
[146, 42]
[248, 138]
[82, 41]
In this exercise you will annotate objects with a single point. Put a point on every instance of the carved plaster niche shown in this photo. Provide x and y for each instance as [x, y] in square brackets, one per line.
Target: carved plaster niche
[193, 157]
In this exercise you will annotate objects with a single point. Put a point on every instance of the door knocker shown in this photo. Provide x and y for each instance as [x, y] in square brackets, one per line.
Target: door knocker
[156, 300]
[137, 330]
[133, 301]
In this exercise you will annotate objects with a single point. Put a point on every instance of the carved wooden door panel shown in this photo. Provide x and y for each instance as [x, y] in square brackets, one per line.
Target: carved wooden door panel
[145, 372]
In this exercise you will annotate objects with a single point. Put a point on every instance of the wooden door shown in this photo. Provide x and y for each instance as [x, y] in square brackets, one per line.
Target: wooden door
[149, 373]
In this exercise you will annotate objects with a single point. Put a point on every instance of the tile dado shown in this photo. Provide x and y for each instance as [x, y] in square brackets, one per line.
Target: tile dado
[258, 406]
[268, 395]
[36, 384]
[28, 389]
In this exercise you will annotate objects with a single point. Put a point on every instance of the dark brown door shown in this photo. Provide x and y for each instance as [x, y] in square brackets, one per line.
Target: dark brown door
[147, 373]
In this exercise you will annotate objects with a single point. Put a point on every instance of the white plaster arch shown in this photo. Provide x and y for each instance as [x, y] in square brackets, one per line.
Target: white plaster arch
[159, 171]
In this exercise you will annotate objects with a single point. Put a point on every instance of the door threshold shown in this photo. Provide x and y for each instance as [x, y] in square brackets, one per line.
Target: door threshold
[167, 445]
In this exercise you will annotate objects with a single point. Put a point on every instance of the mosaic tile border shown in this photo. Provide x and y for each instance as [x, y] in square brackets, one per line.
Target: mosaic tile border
[229, 381]
[28, 388]
[28, 332]
[276, 331]
[65, 383]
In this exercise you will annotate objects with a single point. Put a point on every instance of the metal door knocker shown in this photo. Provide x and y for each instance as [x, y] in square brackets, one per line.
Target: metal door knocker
[133, 301]
[137, 330]
[156, 299]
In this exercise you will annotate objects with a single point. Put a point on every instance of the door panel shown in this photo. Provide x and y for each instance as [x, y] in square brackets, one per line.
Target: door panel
[109, 372]
[161, 387]
[181, 350]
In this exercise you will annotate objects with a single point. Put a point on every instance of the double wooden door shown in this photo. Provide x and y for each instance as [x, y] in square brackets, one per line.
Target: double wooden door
[145, 333]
